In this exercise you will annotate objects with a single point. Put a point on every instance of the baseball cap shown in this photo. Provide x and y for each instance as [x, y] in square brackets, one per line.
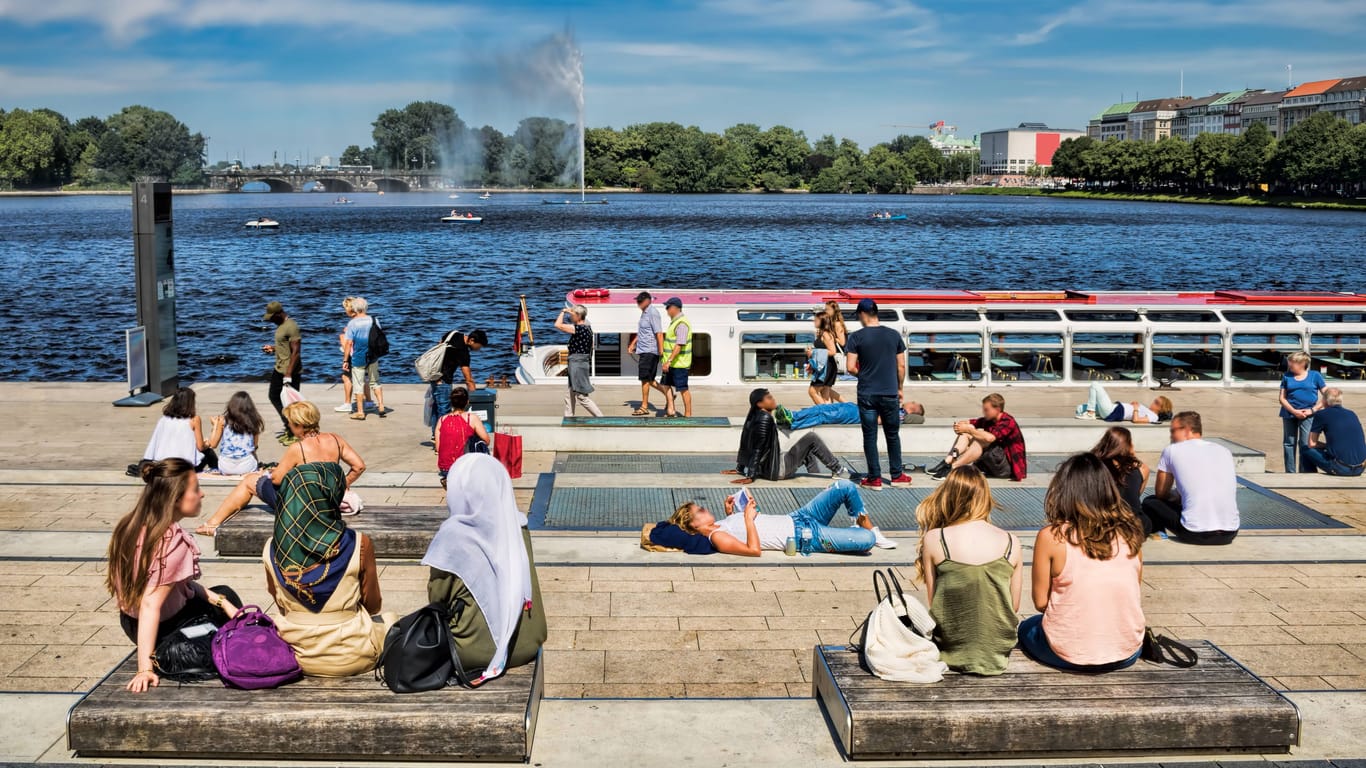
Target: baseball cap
[643, 296]
[272, 309]
[674, 301]
[867, 307]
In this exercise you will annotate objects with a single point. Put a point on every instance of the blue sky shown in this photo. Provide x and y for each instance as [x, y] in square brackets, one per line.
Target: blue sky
[307, 77]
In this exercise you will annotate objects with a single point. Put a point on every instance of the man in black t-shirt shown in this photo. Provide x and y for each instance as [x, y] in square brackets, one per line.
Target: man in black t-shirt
[876, 355]
[456, 361]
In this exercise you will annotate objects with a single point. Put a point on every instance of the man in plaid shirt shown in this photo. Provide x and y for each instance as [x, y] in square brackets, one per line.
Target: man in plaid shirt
[992, 443]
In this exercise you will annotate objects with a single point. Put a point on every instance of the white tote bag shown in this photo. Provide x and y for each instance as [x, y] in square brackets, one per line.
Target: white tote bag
[895, 644]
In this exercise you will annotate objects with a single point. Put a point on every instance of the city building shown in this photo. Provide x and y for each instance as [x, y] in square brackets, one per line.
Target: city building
[1015, 150]
[1347, 100]
[1113, 123]
[1229, 109]
[1263, 108]
[1302, 101]
[949, 145]
[1152, 120]
[1192, 118]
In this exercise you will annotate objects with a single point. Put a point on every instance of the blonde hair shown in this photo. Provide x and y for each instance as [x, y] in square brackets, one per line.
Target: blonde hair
[682, 517]
[304, 415]
[1301, 357]
[963, 497]
[1164, 406]
[996, 400]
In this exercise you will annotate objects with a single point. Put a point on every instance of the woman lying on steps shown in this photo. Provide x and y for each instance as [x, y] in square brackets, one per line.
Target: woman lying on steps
[973, 574]
[746, 532]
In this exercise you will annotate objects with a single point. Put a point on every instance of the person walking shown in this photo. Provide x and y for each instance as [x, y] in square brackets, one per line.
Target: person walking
[347, 405]
[677, 358]
[876, 355]
[288, 370]
[648, 341]
[574, 321]
[455, 360]
[1300, 388]
[364, 367]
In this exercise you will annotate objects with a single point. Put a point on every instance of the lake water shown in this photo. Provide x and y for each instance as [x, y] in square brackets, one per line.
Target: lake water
[69, 292]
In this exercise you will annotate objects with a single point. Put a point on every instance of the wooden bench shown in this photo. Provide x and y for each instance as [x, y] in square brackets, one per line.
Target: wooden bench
[1032, 710]
[354, 718]
[397, 532]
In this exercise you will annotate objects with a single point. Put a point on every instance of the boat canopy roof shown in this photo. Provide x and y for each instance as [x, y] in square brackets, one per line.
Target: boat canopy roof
[626, 296]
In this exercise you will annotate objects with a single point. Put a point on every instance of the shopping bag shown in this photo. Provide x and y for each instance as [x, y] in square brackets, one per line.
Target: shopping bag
[289, 395]
[507, 449]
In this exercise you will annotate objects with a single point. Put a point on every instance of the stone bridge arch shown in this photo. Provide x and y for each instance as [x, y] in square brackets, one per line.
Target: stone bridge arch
[392, 185]
[333, 184]
[277, 185]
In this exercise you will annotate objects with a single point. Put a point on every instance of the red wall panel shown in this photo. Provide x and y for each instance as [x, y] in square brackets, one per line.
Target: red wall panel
[1045, 144]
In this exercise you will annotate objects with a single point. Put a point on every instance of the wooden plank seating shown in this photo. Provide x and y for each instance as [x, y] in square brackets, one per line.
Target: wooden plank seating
[353, 718]
[1032, 710]
[397, 532]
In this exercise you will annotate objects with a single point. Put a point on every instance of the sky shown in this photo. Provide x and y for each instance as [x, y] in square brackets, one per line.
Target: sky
[304, 78]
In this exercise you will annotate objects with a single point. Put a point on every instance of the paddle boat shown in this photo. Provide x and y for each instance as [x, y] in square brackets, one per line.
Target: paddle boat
[452, 196]
[263, 223]
[462, 218]
[889, 216]
[342, 201]
[574, 202]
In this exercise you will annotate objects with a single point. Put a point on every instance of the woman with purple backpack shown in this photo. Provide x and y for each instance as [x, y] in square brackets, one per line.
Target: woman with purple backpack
[323, 577]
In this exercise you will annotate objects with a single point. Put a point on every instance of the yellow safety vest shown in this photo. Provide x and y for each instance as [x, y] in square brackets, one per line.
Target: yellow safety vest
[684, 359]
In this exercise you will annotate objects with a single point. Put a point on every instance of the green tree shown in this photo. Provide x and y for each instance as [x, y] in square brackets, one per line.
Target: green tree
[552, 150]
[1251, 153]
[423, 135]
[32, 149]
[1067, 159]
[148, 143]
[1212, 159]
[961, 166]
[1172, 161]
[887, 171]
[926, 162]
[351, 155]
[783, 151]
[1313, 153]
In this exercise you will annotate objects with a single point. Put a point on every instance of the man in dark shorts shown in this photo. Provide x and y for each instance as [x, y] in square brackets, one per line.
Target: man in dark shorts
[677, 359]
[646, 345]
[992, 443]
[288, 361]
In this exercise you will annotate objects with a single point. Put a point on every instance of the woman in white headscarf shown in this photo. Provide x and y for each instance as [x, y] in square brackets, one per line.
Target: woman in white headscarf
[484, 572]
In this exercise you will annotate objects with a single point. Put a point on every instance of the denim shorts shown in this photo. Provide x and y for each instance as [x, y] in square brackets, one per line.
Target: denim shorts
[676, 378]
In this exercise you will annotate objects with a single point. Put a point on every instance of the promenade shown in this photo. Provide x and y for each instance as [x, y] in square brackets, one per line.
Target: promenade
[727, 640]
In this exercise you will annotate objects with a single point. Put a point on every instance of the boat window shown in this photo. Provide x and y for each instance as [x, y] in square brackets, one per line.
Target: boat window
[1107, 356]
[1026, 356]
[773, 315]
[1261, 356]
[774, 355]
[883, 315]
[944, 356]
[952, 316]
[1102, 316]
[607, 354]
[1259, 317]
[1022, 315]
[1194, 356]
[1343, 355]
[1182, 317]
[701, 354]
[1333, 317]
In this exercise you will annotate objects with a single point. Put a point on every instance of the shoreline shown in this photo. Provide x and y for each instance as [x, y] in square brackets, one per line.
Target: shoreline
[1190, 199]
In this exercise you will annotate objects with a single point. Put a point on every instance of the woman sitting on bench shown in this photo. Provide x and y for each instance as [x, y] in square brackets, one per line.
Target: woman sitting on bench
[157, 587]
[1099, 405]
[305, 422]
[323, 577]
[746, 532]
[484, 572]
[1088, 571]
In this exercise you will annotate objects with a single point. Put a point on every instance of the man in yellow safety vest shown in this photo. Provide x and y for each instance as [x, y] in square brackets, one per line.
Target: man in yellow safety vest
[677, 358]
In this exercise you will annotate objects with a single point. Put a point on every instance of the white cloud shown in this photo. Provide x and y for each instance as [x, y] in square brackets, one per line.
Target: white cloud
[1326, 16]
[822, 13]
[126, 21]
[766, 60]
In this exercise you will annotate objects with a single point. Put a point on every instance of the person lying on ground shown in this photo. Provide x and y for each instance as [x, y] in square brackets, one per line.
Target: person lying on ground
[1099, 405]
[992, 443]
[762, 455]
[746, 532]
[839, 413]
[312, 444]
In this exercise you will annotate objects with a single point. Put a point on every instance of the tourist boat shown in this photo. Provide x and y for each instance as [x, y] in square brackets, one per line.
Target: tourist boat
[263, 223]
[463, 218]
[889, 217]
[998, 338]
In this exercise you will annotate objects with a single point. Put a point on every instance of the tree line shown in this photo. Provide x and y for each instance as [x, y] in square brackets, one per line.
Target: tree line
[41, 148]
[655, 157]
[1321, 154]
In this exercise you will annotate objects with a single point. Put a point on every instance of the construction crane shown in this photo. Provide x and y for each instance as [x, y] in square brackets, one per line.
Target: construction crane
[938, 127]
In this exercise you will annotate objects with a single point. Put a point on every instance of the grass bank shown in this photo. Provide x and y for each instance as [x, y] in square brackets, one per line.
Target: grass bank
[1274, 201]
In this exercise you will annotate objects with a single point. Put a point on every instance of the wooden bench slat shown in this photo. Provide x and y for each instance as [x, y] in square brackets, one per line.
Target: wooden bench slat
[396, 532]
[1122, 692]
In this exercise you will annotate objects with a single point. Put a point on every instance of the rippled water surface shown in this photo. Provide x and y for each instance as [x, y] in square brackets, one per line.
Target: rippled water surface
[69, 292]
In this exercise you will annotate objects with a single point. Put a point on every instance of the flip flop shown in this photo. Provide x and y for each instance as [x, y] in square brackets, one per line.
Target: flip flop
[641, 412]
[357, 417]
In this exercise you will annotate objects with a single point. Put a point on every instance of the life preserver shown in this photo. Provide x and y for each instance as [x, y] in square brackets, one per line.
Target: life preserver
[592, 293]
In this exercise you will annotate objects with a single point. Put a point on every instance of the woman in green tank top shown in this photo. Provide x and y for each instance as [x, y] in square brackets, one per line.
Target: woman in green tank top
[973, 598]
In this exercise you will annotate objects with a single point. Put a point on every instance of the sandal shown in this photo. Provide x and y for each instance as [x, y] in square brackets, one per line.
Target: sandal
[357, 417]
[641, 412]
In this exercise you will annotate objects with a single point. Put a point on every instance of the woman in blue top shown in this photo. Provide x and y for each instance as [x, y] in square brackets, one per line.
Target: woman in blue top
[1300, 388]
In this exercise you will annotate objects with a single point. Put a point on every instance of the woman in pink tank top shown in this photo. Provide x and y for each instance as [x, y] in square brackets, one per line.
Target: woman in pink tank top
[1088, 571]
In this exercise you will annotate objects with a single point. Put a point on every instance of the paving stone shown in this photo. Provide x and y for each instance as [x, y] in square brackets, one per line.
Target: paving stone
[1277, 660]
[14, 683]
[1245, 619]
[1250, 635]
[44, 634]
[635, 586]
[1329, 634]
[720, 666]
[802, 585]
[1346, 682]
[1302, 683]
[639, 640]
[722, 586]
[694, 604]
[576, 603]
[844, 623]
[64, 660]
[1318, 618]
[627, 623]
[791, 639]
[635, 691]
[825, 603]
[740, 690]
[1315, 599]
[574, 666]
[745, 573]
[733, 623]
[638, 573]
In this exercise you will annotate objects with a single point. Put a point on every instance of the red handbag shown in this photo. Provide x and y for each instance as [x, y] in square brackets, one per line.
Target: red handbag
[507, 449]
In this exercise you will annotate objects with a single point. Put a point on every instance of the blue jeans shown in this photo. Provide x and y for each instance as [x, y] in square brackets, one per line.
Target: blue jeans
[1323, 460]
[817, 514]
[888, 408]
[1295, 434]
[830, 413]
[1035, 644]
[441, 402]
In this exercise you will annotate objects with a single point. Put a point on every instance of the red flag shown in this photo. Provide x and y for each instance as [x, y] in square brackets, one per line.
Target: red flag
[523, 327]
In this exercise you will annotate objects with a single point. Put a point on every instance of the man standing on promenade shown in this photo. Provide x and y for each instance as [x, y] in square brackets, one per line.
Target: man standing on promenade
[288, 360]
[1344, 453]
[876, 355]
[677, 358]
[646, 345]
[1196, 493]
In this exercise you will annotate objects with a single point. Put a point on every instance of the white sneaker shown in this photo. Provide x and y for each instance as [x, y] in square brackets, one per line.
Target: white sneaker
[1086, 415]
[882, 542]
[343, 408]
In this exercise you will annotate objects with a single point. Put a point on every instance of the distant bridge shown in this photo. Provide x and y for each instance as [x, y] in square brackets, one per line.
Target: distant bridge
[337, 181]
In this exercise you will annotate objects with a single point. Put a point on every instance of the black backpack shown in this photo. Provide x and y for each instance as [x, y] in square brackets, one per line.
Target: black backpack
[378, 345]
[419, 652]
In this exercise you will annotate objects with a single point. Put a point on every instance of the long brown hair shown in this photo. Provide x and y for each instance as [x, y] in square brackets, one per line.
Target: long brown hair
[832, 311]
[1084, 504]
[1116, 449]
[155, 512]
[963, 497]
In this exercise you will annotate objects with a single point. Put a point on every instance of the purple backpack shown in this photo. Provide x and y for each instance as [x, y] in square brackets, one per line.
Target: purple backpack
[250, 653]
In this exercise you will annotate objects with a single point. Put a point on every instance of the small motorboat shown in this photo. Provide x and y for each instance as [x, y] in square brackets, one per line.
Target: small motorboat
[575, 202]
[889, 217]
[462, 218]
[452, 196]
[486, 196]
[342, 201]
[263, 223]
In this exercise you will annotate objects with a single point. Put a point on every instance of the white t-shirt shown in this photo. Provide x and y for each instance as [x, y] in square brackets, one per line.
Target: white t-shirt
[1207, 483]
[774, 530]
[1143, 411]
